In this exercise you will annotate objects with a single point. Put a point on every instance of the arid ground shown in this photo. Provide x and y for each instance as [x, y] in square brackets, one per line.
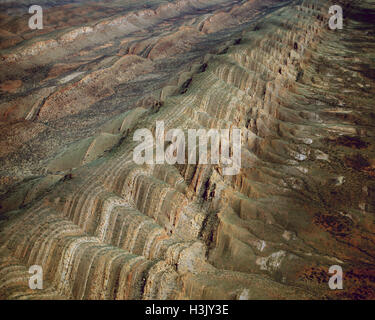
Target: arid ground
[73, 201]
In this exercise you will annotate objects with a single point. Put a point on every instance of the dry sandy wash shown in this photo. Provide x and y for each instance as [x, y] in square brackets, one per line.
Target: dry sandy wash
[73, 201]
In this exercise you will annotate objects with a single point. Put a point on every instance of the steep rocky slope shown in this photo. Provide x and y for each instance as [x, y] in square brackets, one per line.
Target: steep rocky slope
[103, 227]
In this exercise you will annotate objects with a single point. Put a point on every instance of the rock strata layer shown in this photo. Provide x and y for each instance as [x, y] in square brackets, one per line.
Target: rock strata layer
[103, 227]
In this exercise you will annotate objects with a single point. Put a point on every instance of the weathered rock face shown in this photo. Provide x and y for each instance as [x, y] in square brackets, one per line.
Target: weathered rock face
[62, 83]
[103, 227]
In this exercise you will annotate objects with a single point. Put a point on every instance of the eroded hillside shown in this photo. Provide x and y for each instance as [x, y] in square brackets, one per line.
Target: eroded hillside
[103, 227]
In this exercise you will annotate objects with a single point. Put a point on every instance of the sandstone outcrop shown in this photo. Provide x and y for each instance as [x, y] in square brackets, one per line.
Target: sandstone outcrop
[103, 227]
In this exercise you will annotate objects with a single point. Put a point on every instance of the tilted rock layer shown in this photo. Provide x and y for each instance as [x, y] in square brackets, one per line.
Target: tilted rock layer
[103, 227]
